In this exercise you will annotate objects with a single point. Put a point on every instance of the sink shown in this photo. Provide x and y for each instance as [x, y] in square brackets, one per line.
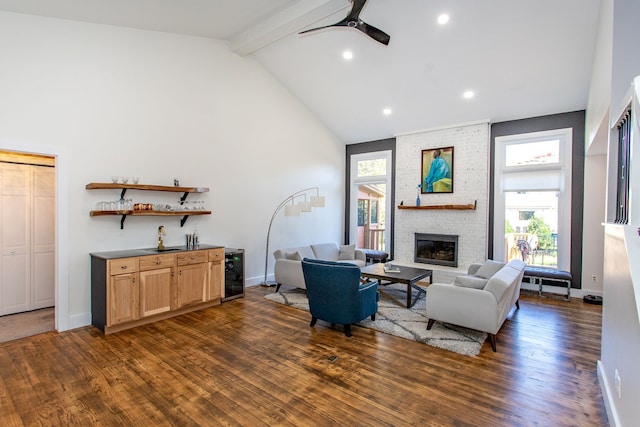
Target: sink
[163, 250]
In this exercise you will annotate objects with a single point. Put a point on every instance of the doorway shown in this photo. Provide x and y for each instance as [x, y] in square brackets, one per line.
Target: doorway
[369, 202]
[27, 242]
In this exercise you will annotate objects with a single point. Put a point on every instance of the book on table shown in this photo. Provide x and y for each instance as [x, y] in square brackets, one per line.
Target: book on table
[388, 268]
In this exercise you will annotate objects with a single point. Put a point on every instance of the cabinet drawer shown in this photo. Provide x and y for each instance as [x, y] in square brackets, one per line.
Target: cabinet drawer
[156, 261]
[194, 257]
[123, 265]
[216, 254]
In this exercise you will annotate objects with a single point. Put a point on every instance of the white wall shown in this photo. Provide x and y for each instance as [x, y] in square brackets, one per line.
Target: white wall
[116, 101]
[599, 98]
[595, 178]
[620, 318]
[470, 183]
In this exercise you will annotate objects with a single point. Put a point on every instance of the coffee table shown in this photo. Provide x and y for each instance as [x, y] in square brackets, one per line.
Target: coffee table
[407, 275]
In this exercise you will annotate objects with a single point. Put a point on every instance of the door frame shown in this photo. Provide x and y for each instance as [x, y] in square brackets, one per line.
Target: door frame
[356, 182]
[370, 147]
[61, 227]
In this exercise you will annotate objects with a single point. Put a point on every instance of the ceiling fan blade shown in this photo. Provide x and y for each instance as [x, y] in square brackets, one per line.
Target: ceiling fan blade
[355, 10]
[316, 29]
[352, 20]
[373, 32]
[342, 23]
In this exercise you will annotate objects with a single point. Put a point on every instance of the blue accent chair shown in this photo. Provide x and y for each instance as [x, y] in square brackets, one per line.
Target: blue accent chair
[336, 294]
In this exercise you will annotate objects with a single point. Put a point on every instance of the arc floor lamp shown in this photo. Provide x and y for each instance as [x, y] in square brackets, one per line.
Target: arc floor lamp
[291, 208]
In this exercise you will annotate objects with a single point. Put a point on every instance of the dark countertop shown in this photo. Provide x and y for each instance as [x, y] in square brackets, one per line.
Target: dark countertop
[150, 251]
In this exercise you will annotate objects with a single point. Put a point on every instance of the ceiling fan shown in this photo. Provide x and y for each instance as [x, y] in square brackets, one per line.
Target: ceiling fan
[353, 21]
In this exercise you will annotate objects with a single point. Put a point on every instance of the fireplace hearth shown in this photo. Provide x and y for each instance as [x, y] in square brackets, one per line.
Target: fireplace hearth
[438, 249]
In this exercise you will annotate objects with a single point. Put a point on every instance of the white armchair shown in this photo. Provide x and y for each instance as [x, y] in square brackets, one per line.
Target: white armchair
[473, 305]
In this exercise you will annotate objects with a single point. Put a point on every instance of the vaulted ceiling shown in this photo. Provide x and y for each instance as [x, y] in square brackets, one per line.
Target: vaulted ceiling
[519, 58]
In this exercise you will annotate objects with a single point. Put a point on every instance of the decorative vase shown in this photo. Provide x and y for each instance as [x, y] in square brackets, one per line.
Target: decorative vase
[418, 201]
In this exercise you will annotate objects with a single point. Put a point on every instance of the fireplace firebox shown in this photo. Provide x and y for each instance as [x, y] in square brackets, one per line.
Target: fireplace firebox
[438, 249]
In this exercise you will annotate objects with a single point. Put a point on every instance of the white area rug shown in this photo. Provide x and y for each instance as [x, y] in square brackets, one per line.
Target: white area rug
[394, 318]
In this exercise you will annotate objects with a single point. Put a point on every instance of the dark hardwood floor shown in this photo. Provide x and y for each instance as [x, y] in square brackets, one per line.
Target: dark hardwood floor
[254, 362]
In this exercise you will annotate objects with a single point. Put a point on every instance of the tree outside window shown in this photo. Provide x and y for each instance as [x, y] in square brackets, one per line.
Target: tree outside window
[363, 212]
[374, 212]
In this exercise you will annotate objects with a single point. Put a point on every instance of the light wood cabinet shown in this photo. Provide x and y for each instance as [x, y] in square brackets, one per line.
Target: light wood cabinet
[192, 277]
[156, 284]
[155, 291]
[192, 284]
[122, 298]
[122, 291]
[128, 291]
[216, 274]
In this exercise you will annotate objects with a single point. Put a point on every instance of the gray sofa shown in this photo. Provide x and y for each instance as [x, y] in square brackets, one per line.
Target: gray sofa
[288, 266]
[480, 300]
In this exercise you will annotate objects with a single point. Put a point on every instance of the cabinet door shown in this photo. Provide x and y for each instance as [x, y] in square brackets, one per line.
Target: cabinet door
[192, 281]
[122, 298]
[155, 291]
[216, 279]
[43, 238]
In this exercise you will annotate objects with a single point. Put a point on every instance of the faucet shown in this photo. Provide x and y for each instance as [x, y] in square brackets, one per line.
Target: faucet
[161, 232]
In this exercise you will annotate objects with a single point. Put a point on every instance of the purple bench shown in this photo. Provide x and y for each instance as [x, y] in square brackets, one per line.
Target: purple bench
[537, 275]
[374, 256]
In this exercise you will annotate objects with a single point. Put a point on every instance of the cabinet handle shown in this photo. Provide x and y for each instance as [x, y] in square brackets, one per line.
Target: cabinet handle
[157, 262]
[124, 267]
[133, 280]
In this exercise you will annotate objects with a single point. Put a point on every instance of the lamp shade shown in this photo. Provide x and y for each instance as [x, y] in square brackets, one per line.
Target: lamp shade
[292, 210]
[305, 206]
[317, 201]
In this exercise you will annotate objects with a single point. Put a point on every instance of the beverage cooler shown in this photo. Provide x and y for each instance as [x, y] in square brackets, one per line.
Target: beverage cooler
[233, 274]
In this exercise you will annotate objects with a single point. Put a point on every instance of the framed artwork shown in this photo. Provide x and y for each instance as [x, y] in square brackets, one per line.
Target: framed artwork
[437, 170]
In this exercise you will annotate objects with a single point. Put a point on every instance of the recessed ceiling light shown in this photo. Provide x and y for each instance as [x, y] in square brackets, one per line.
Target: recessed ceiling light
[387, 111]
[347, 54]
[443, 19]
[468, 94]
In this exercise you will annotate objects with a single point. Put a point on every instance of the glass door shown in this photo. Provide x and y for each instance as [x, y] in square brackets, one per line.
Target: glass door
[369, 204]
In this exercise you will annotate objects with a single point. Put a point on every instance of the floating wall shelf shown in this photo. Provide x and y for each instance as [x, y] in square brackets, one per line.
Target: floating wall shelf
[469, 207]
[145, 187]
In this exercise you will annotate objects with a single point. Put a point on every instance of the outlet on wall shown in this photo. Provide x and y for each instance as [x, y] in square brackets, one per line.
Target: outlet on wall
[594, 278]
[618, 384]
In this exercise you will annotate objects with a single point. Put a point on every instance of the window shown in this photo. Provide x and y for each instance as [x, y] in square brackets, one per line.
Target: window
[363, 212]
[624, 159]
[374, 211]
[532, 189]
[370, 178]
[525, 215]
[532, 153]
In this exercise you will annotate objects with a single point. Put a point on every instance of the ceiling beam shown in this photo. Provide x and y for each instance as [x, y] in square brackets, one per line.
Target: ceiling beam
[284, 23]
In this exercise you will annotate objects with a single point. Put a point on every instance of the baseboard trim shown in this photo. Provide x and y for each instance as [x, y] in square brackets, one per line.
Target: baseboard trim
[607, 396]
[559, 290]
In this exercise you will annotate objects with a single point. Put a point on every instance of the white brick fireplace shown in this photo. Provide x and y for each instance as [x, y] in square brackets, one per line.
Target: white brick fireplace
[470, 184]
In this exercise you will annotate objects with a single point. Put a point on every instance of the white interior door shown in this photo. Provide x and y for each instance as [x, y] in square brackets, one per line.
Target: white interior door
[43, 238]
[15, 289]
[27, 237]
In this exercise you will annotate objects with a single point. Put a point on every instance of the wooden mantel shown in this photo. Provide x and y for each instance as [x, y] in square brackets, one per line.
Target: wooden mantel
[469, 207]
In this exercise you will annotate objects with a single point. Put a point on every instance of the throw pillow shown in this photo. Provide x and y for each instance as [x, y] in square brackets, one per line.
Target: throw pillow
[489, 268]
[470, 282]
[347, 252]
[294, 256]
